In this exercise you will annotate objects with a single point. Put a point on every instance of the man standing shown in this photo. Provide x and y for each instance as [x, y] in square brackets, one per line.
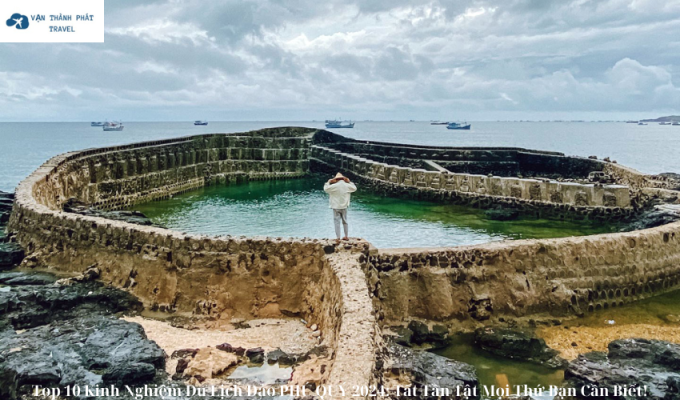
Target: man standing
[339, 190]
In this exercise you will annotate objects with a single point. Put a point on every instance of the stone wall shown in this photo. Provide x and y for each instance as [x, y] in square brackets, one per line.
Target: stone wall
[502, 161]
[220, 277]
[121, 176]
[592, 199]
[345, 289]
[518, 278]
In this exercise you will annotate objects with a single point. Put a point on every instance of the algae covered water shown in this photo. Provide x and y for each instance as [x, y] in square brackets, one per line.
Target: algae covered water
[653, 318]
[299, 208]
[498, 371]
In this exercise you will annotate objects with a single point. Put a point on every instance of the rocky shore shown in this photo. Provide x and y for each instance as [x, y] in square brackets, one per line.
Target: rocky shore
[645, 369]
[64, 332]
[11, 253]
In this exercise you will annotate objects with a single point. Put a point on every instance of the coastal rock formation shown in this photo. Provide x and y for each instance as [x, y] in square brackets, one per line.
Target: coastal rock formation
[419, 369]
[650, 369]
[418, 333]
[54, 335]
[515, 344]
[11, 253]
[657, 216]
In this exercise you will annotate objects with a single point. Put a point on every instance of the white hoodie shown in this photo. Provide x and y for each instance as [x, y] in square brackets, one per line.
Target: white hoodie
[339, 193]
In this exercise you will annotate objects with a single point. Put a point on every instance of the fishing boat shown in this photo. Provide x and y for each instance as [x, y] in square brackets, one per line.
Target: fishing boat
[675, 123]
[202, 123]
[664, 123]
[113, 127]
[334, 123]
[641, 123]
[96, 123]
[458, 125]
[438, 123]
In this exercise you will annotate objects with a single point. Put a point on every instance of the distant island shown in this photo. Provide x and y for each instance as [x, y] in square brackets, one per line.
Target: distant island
[670, 118]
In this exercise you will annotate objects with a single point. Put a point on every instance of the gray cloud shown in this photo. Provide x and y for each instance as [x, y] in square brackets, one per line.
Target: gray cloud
[370, 59]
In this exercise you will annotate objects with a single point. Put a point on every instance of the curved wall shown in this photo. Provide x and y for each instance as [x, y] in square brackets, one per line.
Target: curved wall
[519, 278]
[213, 276]
[345, 289]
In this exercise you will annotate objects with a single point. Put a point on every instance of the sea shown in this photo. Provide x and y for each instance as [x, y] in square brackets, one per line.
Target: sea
[653, 148]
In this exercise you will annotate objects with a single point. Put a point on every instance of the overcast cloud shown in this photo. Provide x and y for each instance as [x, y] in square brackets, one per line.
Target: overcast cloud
[376, 59]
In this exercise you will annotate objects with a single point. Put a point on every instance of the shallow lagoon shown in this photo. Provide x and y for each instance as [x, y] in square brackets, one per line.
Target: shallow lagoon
[299, 208]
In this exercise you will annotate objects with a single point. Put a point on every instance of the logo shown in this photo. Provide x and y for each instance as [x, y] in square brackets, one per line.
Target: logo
[17, 20]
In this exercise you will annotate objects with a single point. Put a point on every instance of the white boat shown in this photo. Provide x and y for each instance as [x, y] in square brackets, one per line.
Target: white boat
[664, 123]
[113, 127]
[641, 123]
[675, 123]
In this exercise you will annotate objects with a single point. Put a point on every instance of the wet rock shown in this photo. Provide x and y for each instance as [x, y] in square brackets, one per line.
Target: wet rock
[502, 214]
[422, 334]
[88, 350]
[26, 279]
[280, 357]
[11, 255]
[422, 369]
[516, 344]
[636, 363]
[403, 335]
[70, 337]
[255, 355]
[130, 373]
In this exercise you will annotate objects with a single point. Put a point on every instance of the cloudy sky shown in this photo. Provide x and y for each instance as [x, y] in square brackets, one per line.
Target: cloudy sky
[370, 59]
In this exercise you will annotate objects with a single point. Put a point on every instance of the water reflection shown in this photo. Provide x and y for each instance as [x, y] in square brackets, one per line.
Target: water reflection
[299, 208]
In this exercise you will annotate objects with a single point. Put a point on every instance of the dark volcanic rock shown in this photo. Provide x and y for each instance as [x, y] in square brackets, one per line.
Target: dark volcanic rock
[403, 336]
[651, 219]
[26, 279]
[517, 345]
[11, 255]
[255, 355]
[437, 336]
[135, 217]
[636, 363]
[502, 214]
[70, 337]
[427, 369]
[280, 357]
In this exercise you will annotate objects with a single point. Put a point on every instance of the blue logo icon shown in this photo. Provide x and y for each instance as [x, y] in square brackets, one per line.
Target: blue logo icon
[17, 20]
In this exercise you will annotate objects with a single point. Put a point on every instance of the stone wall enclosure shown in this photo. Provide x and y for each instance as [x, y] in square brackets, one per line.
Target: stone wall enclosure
[349, 290]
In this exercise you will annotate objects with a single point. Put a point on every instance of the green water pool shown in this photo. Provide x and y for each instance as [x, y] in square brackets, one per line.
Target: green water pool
[663, 310]
[299, 208]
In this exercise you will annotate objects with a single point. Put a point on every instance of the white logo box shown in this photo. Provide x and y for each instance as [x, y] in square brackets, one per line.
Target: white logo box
[52, 21]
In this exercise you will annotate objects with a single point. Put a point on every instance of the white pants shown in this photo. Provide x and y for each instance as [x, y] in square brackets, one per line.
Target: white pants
[340, 216]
